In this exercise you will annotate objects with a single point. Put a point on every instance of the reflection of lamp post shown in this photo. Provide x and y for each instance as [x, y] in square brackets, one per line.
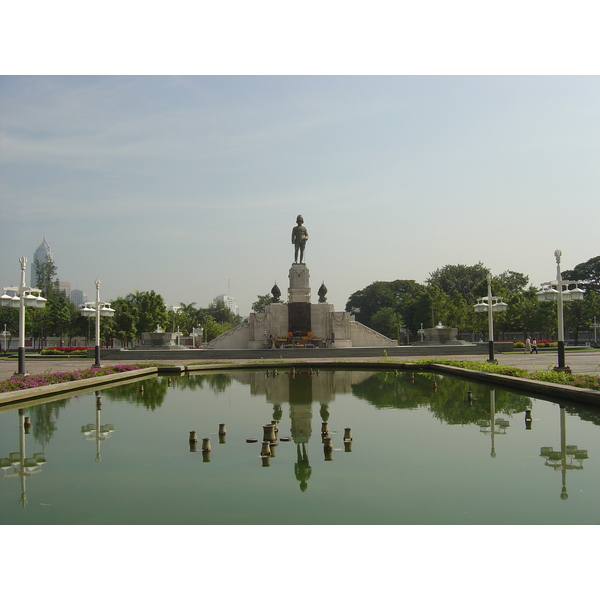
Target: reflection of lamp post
[97, 433]
[101, 309]
[491, 304]
[25, 298]
[22, 467]
[558, 459]
[490, 426]
[548, 293]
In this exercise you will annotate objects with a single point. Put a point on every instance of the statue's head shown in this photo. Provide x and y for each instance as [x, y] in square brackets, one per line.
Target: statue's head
[299, 219]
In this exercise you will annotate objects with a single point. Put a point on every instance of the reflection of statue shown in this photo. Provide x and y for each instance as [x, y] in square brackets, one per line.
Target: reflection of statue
[299, 237]
[302, 469]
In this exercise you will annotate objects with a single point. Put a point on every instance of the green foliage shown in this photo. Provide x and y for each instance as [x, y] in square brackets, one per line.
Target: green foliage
[476, 366]
[580, 380]
[588, 272]
[151, 311]
[577, 380]
[46, 277]
[446, 401]
[59, 312]
[222, 314]
[212, 329]
[459, 278]
[394, 296]
[125, 320]
[187, 318]
[261, 302]
[388, 322]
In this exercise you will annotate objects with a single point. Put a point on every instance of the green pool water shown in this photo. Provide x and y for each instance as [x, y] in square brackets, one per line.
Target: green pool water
[425, 449]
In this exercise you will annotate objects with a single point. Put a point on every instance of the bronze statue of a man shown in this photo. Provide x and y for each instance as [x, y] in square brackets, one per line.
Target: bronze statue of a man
[299, 237]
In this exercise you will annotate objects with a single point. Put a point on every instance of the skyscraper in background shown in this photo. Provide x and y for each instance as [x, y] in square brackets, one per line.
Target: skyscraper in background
[229, 302]
[42, 254]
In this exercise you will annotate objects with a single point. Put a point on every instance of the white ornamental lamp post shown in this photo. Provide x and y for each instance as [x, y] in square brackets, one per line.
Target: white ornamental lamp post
[553, 290]
[490, 304]
[20, 301]
[100, 309]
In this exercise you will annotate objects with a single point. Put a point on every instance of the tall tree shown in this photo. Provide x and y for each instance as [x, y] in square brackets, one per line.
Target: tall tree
[188, 317]
[261, 302]
[60, 314]
[588, 272]
[222, 314]
[512, 282]
[46, 278]
[152, 312]
[395, 295]
[125, 320]
[459, 278]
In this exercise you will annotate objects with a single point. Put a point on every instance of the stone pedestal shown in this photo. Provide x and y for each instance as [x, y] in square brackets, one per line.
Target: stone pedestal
[299, 290]
[300, 324]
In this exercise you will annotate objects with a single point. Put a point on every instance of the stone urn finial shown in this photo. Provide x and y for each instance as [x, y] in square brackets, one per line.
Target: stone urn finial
[276, 292]
[322, 293]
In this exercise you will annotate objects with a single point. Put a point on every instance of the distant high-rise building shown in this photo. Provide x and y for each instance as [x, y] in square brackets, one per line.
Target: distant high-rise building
[229, 302]
[65, 288]
[78, 297]
[42, 254]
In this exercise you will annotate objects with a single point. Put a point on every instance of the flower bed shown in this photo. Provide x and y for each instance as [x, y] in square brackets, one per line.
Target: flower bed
[65, 350]
[25, 382]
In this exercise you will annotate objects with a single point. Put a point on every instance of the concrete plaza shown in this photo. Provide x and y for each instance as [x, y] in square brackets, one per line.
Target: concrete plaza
[580, 361]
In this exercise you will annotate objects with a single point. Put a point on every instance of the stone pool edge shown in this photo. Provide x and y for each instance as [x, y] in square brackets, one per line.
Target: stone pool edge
[554, 390]
[71, 386]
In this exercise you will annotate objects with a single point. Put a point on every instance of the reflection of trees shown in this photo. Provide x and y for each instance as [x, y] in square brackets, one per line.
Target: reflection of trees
[44, 417]
[447, 400]
[388, 390]
[217, 382]
[150, 393]
[585, 414]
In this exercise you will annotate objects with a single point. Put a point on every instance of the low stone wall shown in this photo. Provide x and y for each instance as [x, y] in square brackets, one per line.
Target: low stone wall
[73, 386]
[365, 337]
[235, 338]
[292, 353]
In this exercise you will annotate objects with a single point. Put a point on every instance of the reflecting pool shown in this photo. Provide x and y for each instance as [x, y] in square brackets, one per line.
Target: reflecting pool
[352, 447]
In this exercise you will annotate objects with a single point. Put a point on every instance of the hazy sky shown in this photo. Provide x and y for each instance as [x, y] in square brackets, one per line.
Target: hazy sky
[190, 186]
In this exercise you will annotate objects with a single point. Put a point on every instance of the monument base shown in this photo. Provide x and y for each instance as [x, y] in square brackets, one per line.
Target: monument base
[299, 324]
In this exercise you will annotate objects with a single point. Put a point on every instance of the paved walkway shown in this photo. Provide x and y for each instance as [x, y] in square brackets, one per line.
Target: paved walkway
[579, 361]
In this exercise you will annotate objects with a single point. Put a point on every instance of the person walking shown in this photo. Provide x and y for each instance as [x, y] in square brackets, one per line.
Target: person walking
[528, 345]
[534, 347]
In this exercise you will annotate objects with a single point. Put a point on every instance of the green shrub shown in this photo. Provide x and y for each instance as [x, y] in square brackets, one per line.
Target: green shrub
[591, 382]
